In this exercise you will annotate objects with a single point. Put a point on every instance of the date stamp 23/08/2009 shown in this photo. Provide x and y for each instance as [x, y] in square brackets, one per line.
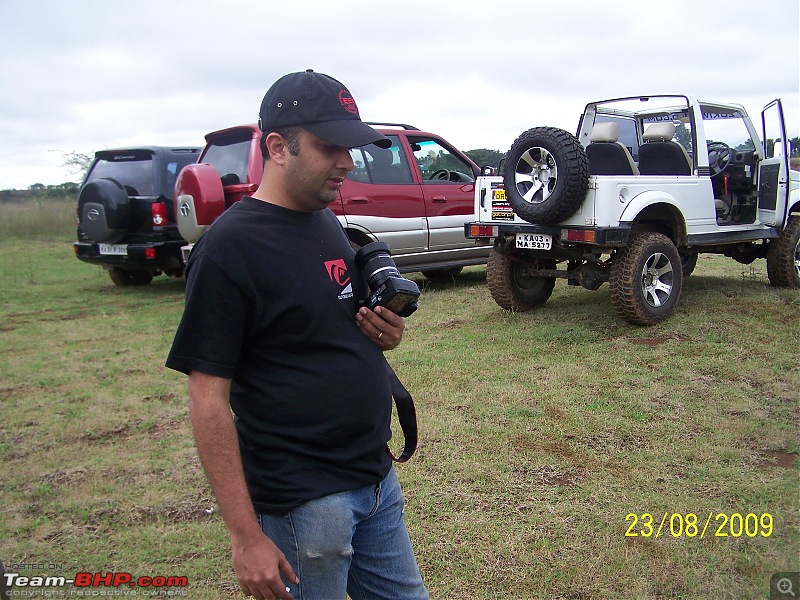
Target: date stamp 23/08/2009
[691, 525]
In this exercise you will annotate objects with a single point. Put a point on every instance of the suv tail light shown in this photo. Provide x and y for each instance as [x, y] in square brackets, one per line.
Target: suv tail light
[578, 235]
[158, 211]
[476, 231]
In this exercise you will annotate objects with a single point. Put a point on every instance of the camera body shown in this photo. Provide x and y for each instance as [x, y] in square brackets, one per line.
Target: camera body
[386, 286]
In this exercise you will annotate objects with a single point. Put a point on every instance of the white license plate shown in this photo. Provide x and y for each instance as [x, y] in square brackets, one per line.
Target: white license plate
[115, 249]
[535, 241]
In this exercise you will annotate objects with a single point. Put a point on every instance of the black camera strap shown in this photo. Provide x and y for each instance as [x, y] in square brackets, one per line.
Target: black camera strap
[406, 414]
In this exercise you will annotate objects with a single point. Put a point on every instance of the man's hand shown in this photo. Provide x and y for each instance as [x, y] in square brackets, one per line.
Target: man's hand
[258, 564]
[382, 326]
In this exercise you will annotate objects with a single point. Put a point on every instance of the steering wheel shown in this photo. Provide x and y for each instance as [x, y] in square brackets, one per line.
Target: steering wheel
[440, 175]
[719, 157]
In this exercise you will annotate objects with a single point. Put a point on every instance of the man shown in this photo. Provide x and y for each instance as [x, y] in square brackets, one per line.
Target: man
[270, 330]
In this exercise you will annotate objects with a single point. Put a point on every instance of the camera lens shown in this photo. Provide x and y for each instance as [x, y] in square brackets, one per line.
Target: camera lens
[387, 287]
[375, 263]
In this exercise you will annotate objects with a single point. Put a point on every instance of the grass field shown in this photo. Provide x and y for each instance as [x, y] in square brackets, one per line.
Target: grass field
[546, 438]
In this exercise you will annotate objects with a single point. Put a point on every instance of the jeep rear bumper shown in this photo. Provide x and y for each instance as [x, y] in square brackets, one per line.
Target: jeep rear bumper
[604, 237]
[158, 256]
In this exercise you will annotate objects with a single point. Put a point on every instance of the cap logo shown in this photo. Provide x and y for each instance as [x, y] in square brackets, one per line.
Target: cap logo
[347, 102]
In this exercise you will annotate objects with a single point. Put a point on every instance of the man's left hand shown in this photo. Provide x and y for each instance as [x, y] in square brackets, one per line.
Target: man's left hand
[382, 326]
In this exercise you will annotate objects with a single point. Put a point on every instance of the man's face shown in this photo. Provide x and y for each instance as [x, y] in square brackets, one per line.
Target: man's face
[314, 176]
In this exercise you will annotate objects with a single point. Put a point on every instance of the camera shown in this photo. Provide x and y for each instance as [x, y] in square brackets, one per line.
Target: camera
[386, 286]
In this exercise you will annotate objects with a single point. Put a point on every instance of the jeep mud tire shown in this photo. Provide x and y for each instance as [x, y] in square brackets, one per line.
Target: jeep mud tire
[513, 287]
[547, 175]
[688, 263]
[104, 210]
[783, 256]
[646, 278]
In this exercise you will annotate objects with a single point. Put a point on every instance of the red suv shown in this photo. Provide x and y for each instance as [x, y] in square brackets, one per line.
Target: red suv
[415, 196]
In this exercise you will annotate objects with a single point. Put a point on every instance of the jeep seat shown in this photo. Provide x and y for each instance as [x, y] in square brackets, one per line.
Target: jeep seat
[660, 155]
[607, 156]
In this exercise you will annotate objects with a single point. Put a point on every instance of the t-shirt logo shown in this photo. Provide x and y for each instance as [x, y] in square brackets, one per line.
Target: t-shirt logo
[337, 271]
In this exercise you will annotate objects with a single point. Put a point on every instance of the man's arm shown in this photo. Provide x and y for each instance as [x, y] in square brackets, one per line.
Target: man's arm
[257, 561]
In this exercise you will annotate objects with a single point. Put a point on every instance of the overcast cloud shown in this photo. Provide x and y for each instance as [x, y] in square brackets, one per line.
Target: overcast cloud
[83, 75]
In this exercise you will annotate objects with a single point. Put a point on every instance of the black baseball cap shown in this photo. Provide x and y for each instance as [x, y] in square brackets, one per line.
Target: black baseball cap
[319, 104]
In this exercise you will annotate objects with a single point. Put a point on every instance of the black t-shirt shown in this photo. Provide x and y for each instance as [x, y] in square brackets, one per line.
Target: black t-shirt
[270, 304]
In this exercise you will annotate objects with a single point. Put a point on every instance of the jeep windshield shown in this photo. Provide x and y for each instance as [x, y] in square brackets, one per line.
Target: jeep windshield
[726, 124]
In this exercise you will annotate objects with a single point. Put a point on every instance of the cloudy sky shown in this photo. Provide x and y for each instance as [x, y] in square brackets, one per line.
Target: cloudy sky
[83, 75]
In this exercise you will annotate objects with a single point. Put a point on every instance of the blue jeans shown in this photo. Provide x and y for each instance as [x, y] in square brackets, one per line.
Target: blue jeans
[353, 542]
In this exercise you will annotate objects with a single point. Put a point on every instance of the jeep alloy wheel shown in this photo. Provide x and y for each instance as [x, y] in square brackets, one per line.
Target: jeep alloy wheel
[646, 278]
[512, 285]
[547, 175]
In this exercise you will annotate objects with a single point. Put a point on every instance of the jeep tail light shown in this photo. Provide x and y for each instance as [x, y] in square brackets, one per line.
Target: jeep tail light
[483, 231]
[578, 235]
[149, 253]
[158, 211]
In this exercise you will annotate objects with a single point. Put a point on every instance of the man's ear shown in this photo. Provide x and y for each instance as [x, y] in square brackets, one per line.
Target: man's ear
[278, 148]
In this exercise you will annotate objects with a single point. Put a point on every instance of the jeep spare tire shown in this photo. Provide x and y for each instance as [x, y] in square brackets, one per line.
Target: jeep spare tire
[546, 176]
[104, 210]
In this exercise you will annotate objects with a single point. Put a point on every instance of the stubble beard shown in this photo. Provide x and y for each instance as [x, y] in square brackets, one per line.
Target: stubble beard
[309, 190]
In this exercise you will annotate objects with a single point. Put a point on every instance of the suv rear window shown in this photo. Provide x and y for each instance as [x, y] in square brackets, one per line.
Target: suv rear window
[135, 170]
[132, 169]
[229, 155]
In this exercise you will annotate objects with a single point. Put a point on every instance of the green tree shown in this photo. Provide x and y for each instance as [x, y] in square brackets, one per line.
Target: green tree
[484, 157]
[684, 136]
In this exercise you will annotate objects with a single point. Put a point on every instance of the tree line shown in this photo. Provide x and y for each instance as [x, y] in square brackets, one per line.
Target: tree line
[39, 191]
[79, 163]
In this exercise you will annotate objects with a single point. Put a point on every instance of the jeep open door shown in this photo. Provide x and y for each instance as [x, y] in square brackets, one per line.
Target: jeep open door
[773, 176]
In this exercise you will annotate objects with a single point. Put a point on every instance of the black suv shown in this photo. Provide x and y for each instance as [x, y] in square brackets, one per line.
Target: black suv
[126, 213]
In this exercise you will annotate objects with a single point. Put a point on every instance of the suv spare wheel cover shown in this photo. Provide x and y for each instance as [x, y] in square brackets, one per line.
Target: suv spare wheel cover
[104, 210]
[202, 182]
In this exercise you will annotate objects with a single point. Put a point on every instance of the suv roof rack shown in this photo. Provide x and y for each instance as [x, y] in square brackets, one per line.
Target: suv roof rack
[404, 126]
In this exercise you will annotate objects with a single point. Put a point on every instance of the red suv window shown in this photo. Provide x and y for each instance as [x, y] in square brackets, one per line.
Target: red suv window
[379, 165]
[437, 164]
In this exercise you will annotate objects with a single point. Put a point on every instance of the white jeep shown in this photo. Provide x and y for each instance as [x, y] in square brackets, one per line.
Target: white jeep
[648, 184]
